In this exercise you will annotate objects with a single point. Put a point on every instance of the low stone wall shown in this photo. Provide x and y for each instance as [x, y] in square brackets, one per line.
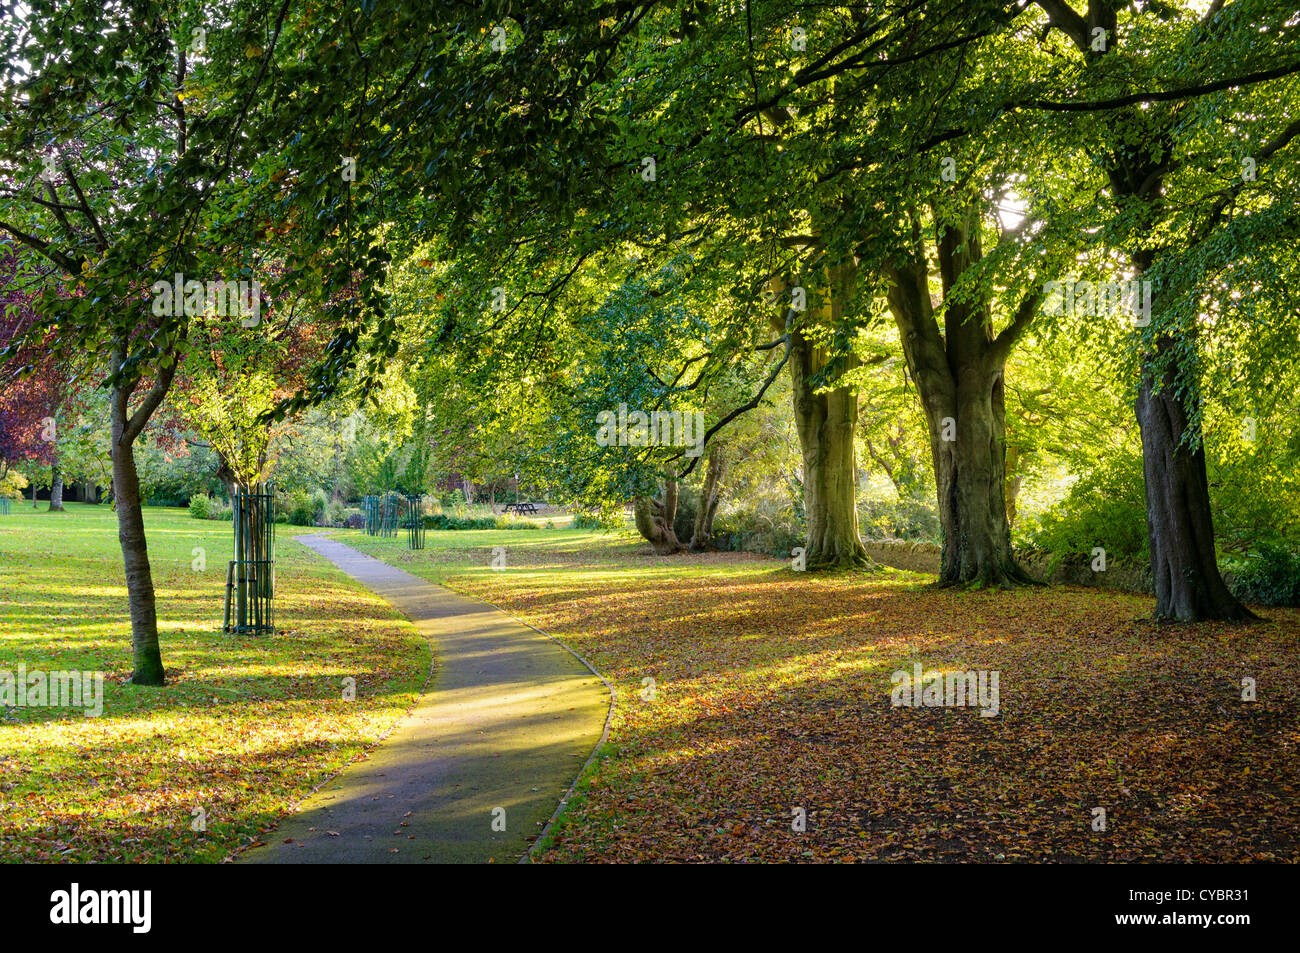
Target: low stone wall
[1075, 570]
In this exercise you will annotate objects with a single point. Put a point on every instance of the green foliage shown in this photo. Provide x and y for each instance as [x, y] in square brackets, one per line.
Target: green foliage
[1105, 507]
[199, 507]
[301, 507]
[1270, 575]
[608, 520]
[12, 484]
[171, 477]
[768, 527]
[911, 517]
[443, 521]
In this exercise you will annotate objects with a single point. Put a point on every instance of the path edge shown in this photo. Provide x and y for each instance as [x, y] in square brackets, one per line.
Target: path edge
[234, 855]
[527, 857]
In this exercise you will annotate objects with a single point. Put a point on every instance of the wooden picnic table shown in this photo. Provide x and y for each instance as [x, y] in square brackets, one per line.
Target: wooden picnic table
[521, 507]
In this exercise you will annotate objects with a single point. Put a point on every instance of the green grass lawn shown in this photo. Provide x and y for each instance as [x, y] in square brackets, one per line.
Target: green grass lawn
[244, 728]
[772, 692]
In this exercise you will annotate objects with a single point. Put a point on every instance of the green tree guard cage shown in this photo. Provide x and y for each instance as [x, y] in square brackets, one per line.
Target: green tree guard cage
[4, 506]
[391, 513]
[415, 521]
[372, 515]
[250, 577]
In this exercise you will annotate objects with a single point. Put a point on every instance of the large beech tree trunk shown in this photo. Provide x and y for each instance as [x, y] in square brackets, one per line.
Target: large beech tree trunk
[1180, 524]
[826, 422]
[654, 519]
[710, 493]
[959, 375]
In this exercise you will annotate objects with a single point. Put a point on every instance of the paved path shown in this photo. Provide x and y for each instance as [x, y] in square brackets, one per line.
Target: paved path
[507, 723]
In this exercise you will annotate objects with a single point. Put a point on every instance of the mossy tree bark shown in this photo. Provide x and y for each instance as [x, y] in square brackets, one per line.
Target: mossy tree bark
[710, 494]
[826, 420]
[959, 374]
[654, 518]
[1180, 523]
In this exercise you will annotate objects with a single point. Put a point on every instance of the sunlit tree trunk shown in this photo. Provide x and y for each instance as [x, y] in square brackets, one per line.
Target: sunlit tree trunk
[826, 421]
[654, 519]
[710, 493]
[56, 488]
[130, 521]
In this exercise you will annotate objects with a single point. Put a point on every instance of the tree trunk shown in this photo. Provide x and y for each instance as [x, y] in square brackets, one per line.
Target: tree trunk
[654, 519]
[1014, 481]
[56, 489]
[1180, 524]
[826, 423]
[710, 493]
[135, 552]
[959, 376]
[970, 473]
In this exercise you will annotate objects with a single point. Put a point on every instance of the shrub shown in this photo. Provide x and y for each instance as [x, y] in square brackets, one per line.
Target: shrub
[452, 498]
[320, 507]
[443, 521]
[200, 508]
[355, 521]
[1270, 576]
[300, 509]
[769, 527]
[688, 502]
[220, 510]
[893, 518]
[1106, 508]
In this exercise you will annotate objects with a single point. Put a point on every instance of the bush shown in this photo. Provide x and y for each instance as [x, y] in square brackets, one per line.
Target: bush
[452, 498]
[200, 508]
[688, 502]
[320, 507]
[300, 509]
[1106, 508]
[894, 518]
[1269, 576]
[771, 528]
[443, 521]
[220, 510]
[355, 521]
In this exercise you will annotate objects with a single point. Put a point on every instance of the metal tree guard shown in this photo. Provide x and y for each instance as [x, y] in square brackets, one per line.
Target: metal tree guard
[391, 513]
[415, 521]
[372, 515]
[250, 577]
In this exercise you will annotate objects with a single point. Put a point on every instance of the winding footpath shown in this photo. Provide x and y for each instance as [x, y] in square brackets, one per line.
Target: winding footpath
[495, 741]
